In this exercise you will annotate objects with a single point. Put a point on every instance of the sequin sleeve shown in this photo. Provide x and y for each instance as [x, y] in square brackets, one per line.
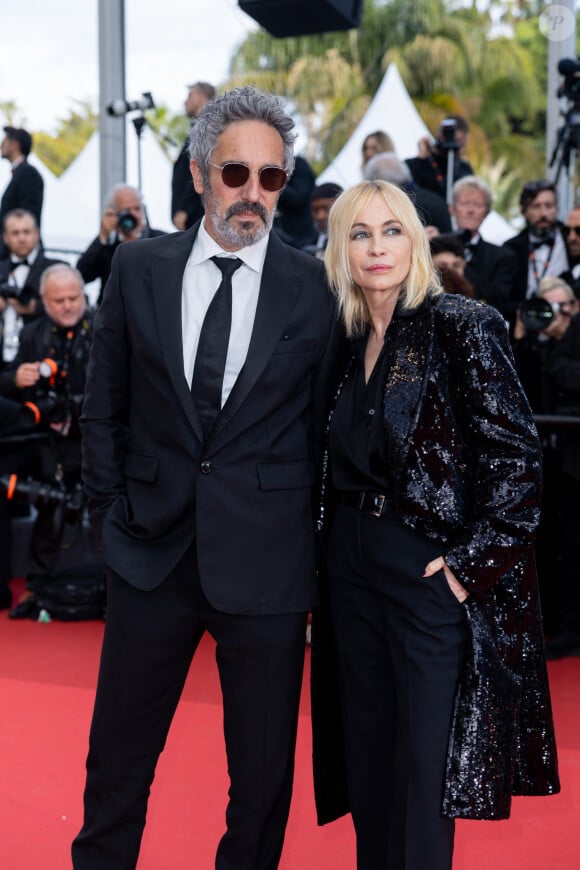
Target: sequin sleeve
[497, 424]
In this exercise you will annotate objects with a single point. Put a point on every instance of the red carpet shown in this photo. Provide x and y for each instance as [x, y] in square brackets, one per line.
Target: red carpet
[47, 679]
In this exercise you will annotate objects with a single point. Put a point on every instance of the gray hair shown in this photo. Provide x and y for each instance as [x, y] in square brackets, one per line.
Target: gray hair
[551, 282]
[472, 182]
[239, 104]
[57, 268]
[110, 197]
[386, 166]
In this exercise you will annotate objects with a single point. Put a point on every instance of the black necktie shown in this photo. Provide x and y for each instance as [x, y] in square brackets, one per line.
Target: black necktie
[16, 263]
[210, 360]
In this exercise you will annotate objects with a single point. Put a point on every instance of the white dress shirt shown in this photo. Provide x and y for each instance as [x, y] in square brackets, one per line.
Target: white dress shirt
[201, 280]
[558, 263]
[12, 321]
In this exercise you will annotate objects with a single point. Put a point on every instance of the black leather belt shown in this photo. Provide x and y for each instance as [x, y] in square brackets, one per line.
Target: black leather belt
[372, 503]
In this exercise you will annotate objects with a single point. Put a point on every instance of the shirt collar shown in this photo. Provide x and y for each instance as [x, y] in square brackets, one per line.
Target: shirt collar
[205, 247]
[17, 162]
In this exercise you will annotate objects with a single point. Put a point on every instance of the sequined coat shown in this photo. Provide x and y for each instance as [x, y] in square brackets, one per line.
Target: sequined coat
[464, 468]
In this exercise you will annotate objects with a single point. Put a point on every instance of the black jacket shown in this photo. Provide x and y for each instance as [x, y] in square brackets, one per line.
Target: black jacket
[491, 272]
[246, 495]
[183, 194]
[96, 261]
[24, 190]
[464, 468]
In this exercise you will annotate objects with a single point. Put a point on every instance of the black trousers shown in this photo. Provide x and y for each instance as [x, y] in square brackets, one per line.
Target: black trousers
[150, 639]
[400, 641]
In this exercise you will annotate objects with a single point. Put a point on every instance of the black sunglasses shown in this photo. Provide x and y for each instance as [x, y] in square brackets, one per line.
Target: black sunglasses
[272, 178]
[567, 230]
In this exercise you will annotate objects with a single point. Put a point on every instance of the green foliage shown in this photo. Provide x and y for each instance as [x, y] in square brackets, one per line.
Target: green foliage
[451, 60]
[57, 150]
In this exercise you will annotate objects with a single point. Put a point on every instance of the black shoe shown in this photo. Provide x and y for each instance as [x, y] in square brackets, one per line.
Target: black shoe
[27, 609]
[562, 647]
[5, 598]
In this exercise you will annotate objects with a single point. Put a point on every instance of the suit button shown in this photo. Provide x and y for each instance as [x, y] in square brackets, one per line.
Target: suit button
[206, 466]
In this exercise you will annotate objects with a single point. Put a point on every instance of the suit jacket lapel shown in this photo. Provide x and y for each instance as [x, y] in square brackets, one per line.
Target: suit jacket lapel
[280, 288]
[167, 282]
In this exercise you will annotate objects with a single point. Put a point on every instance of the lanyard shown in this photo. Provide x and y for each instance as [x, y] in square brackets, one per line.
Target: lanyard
[533, 258]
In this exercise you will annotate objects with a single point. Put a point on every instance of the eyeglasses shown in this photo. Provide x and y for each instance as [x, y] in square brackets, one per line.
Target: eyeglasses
[567, 230]
[272, 178]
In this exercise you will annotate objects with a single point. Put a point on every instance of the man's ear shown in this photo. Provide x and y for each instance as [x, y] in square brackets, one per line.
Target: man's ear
[196, 175]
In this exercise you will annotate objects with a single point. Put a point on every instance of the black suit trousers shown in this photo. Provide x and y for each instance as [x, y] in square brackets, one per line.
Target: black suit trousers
[400, 641]
[150, 639]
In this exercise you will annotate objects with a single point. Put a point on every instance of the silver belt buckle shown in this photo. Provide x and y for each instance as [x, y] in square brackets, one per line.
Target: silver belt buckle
[375, 508]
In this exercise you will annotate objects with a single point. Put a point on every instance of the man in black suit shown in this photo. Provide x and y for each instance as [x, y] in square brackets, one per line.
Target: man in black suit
[293, 221]
[26, 187]
[123, 220]
[199, 469]
[540, 248]
[186, 203]
[21, 269]
[490, 268]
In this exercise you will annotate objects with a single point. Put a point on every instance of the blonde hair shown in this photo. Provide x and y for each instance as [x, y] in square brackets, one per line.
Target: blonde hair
[422, 279]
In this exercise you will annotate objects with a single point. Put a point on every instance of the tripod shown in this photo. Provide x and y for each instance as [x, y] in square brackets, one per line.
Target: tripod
[567, 141]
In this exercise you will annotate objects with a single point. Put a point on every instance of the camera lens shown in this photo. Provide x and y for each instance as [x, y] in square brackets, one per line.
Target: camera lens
[126, 221]
[536, 313]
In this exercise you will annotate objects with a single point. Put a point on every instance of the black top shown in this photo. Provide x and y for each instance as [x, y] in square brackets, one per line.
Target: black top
[356, 430]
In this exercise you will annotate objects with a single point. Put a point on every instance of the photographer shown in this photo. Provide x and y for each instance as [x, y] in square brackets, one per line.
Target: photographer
[563, 366]
[123, 220]
[540, 249]
[541, 325]
[49, 371]
[429, 168]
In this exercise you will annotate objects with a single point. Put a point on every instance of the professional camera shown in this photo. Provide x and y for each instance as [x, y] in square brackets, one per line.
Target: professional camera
[53, 401]
[38, 493]
[9, 291]
[537, 313]
[447, 142]
[570, 87]
[118, 108]
[126, 221]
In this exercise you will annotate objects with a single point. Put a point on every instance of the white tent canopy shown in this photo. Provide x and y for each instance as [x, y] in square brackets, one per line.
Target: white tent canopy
[393, 111]
[66, 223]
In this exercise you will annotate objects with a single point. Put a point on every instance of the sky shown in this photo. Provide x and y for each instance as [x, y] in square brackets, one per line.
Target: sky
[49, 52]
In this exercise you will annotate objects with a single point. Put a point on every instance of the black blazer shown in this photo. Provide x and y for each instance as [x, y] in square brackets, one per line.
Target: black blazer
[184, 197]
[491, 272]
[246, 496]
[96, 261]
[24, 190]
[294, 217]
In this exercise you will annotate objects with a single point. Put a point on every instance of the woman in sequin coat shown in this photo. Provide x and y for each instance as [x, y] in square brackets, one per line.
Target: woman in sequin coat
[437, 704]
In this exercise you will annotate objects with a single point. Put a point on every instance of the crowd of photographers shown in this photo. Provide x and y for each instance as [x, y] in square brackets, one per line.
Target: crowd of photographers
[533, 280]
